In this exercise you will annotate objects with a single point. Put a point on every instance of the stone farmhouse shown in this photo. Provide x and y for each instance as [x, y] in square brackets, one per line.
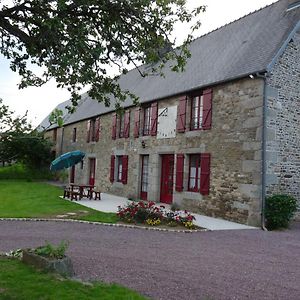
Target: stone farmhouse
[217, 138]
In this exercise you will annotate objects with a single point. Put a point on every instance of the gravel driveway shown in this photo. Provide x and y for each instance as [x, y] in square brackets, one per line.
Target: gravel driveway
[240, 264]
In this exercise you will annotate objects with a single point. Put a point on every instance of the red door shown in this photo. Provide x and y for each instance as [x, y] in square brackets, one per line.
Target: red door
[167, 174]
[92, 171]
[144, 177]
[72, 175]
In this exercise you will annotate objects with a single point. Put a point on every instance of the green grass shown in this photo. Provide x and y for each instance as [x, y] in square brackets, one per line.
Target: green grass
[18, 281]
[21, 199]
[19, 171]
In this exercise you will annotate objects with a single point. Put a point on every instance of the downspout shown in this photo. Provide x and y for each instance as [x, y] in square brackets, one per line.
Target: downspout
[264, 146]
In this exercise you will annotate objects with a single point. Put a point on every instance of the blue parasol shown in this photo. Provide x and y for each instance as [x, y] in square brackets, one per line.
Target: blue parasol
[67, 160]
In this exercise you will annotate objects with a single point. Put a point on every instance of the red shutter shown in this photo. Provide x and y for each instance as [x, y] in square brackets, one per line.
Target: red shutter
[207, 109]
[124, 168]
[112, 168]
[179, 172]
[181, 114]
[126, 124]
[97, 129]
[154, 111]
[137, 114]
[205, 173]
[88, 131]
[114, 126]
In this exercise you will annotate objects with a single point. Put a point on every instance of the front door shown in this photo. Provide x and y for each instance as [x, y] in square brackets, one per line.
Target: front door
[92, 163]
[167, 172]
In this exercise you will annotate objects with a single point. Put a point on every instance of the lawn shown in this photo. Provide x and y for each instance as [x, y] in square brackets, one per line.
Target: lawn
[21, 199]
[18, 281]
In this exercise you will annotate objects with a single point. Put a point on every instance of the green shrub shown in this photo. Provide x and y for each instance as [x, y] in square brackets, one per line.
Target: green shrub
[279, 211]
[20, 171]
[52, 251]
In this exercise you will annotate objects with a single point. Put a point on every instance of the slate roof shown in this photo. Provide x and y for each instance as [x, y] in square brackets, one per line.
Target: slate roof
[245, 46]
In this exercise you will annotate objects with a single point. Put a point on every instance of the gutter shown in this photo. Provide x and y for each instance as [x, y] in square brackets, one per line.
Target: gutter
[264, 146]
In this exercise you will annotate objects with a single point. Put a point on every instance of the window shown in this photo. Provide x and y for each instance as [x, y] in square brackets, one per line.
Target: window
[93, 130]
[121, 125]
[147, 121]
[194, 173]
[74, 136]
[201, 111]
[119, 168]
[144, 177]
[197, 112]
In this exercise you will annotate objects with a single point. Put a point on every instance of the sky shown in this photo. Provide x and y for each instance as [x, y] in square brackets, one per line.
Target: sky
[40, 101]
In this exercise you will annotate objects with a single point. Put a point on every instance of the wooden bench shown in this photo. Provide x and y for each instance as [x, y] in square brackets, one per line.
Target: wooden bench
[97, 195]
[67, 192]
[74, 195]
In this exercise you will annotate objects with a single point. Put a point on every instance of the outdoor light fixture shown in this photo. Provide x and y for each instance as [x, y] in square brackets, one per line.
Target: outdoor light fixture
[143, 144]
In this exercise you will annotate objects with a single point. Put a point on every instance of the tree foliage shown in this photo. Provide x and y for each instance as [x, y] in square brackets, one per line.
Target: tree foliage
[76, 42]
[19, 142]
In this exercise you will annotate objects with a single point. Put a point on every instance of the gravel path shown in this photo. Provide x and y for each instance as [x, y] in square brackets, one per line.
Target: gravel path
[241, 264]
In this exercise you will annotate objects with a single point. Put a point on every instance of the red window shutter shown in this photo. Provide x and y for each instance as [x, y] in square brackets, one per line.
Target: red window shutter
[112, 168]
[179, 172]
[88, 131]
[97, 129]
[207, 109]
[205, 173]
[181, 114]
[114, 126]
[124, 169]
[154, 111]
[137, 114]
[126, 124]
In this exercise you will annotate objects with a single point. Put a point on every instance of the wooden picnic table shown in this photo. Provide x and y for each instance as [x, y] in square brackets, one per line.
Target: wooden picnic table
[82, 188]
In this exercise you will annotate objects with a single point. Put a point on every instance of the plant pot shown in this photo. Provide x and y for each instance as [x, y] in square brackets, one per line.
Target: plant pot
[61, 266]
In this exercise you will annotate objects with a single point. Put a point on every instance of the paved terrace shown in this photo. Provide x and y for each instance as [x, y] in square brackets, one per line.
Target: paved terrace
[110, 203]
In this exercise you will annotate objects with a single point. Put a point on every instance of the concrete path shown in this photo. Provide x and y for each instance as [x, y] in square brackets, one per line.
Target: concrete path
[110, 203]
[213, 265]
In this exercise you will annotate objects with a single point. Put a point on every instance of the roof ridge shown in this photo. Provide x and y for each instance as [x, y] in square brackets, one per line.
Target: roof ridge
[233, 21]
[208, 33]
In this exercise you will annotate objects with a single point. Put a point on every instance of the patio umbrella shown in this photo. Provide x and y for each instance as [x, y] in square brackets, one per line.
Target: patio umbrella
[67, 160]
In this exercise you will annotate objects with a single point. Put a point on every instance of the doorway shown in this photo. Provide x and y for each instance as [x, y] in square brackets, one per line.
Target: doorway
[92, 168]
[167, 180]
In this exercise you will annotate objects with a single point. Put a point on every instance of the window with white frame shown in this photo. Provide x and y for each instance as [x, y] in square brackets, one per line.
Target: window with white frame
[197, 112]
[119, 168]
[194, 172]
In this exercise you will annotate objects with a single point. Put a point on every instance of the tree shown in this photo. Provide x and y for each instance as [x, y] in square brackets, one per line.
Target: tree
[76, 42]
[19, 142]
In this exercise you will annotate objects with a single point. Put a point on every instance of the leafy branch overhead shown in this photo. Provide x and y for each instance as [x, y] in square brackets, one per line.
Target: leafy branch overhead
[77, 42]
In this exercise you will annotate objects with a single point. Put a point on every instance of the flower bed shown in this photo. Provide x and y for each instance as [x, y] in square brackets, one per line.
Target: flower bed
[148, 213]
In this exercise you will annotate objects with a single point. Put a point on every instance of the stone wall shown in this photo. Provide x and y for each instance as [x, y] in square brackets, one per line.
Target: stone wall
[234, 142]
[283, 123]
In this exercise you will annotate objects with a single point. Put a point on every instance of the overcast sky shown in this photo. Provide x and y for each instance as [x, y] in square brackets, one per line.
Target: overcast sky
[40, 101]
